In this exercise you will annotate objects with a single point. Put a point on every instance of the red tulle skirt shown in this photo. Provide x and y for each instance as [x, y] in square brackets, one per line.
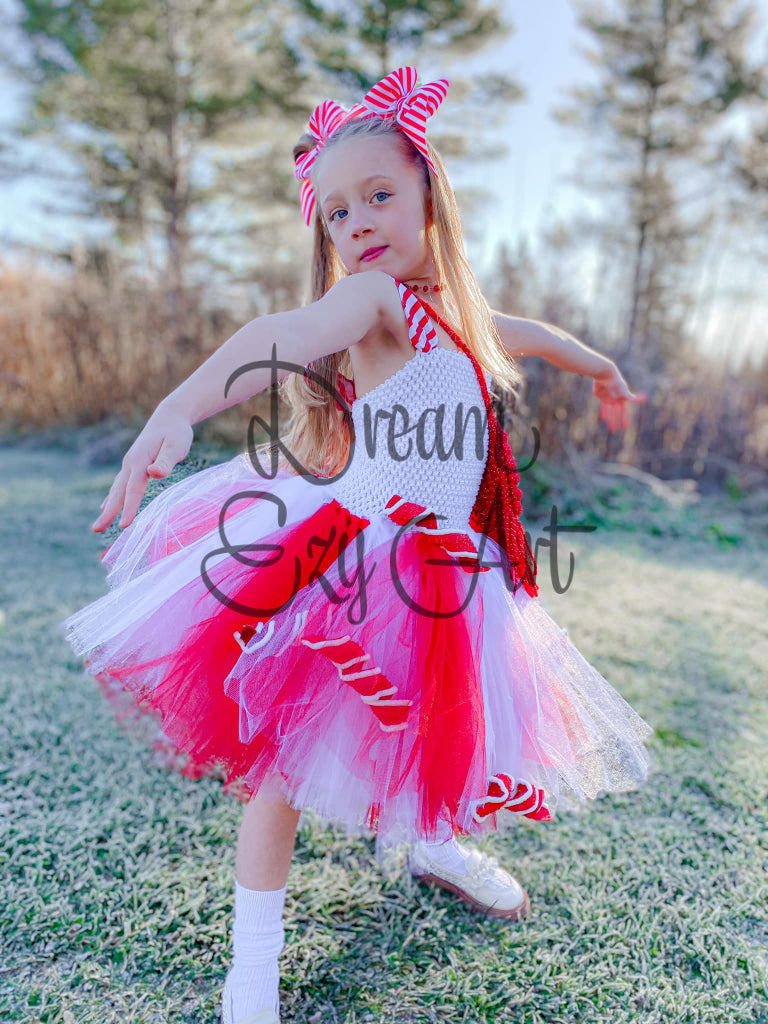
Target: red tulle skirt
[379, 671]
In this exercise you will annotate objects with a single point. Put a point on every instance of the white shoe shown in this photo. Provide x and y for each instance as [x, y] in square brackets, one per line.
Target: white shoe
[486, 886]
[265, 1016]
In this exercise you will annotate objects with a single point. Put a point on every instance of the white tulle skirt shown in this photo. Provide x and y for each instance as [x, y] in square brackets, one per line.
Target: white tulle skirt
[281, 641]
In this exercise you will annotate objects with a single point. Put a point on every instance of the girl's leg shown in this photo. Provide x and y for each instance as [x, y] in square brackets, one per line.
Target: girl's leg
[266, 841]
[264, 851]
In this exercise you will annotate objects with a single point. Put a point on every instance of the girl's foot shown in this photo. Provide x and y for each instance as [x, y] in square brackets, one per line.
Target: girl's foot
[473, 876]
[266, 1016]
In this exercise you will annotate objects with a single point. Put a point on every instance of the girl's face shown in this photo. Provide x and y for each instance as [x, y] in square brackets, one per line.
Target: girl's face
[372, 197]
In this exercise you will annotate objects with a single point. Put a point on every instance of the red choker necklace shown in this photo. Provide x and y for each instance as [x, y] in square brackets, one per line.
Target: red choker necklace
[423, 287]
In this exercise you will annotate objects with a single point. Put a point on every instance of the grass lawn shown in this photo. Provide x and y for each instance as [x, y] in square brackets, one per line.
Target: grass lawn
[117, 874]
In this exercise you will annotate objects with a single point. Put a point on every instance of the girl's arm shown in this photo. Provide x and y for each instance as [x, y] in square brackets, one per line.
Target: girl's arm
[533, 338]
[344, 315]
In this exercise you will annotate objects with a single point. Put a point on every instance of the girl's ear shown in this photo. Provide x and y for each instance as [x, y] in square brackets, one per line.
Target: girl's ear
[428, 213]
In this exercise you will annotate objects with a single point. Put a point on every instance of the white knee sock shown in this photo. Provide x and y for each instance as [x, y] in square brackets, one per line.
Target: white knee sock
[257, 939]
[448, 854]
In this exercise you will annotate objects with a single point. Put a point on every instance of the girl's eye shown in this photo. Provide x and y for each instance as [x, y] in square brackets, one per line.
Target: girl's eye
[381, 192]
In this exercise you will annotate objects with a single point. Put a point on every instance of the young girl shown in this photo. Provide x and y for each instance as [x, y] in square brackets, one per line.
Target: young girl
[347, 619]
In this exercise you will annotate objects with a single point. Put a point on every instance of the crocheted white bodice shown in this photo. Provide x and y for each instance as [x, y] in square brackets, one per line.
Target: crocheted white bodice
[421, 433]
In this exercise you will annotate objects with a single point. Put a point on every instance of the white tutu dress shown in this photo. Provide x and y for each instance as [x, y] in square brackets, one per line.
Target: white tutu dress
[343, 640]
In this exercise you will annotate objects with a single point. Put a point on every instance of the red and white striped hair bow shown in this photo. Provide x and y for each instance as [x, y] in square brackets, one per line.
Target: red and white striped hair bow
[394, 96]
[326, 118]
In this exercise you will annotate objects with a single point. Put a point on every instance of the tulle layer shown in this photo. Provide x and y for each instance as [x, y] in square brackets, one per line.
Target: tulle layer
[352, 665]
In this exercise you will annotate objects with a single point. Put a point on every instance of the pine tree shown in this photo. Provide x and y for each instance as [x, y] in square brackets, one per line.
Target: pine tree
[668, 71]
[154, 98]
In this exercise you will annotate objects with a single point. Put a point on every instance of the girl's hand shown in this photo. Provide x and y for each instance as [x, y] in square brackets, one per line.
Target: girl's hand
[164, 441]
[612, 390]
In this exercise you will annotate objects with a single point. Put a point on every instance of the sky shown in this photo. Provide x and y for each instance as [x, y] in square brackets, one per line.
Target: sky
[530, 183]
[531, 187]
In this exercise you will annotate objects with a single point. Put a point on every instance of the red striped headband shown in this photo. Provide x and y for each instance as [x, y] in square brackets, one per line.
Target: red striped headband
[394, 96]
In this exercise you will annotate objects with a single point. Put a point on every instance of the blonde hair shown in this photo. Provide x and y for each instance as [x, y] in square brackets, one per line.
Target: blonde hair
[319, 433]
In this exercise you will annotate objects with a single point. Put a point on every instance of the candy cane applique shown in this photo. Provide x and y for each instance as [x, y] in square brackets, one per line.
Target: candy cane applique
[503, 793]
[372, 686]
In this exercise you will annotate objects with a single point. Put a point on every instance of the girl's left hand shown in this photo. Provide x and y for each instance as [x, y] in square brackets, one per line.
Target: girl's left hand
[613, 392]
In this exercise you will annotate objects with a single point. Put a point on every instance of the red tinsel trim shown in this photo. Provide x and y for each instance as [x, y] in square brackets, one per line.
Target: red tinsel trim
[498, 505]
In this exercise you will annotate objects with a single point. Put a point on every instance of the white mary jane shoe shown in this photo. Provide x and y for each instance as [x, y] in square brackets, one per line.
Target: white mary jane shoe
[265, 1016]
[486, 886]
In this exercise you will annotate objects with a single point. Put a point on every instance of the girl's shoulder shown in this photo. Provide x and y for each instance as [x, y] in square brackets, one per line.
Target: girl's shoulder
[392, 300]
[386, 292]
[402, 310]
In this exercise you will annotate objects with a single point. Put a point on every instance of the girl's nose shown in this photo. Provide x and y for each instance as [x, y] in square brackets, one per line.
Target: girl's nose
[361, 220]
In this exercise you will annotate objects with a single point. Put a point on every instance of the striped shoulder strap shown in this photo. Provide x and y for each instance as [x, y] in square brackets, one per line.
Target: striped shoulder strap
[421, 330]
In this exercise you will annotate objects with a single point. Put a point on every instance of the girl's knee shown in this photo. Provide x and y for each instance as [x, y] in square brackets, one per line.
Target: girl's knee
[270, 800]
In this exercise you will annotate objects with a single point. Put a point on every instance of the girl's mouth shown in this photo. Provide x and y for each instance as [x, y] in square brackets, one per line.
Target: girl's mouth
[373, 255]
